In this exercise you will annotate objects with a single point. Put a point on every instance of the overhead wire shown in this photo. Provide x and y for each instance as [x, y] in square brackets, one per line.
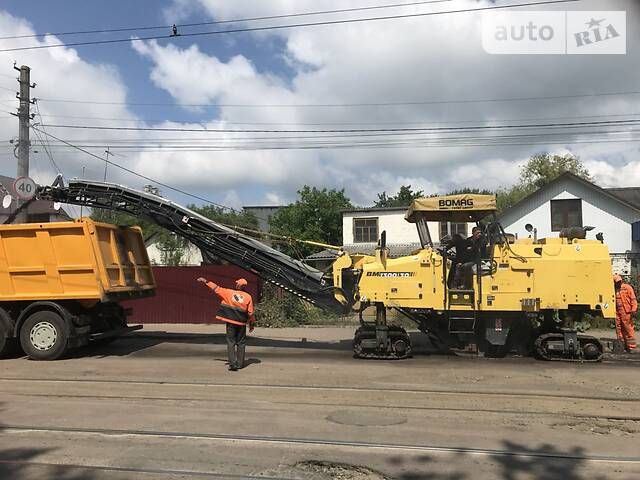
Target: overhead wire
[599, 136]
[352, 130]
[341, 105]
[288, 26]
[425, 122]
[138, 174]
[324, 139]
[47, 147]
[220, 22]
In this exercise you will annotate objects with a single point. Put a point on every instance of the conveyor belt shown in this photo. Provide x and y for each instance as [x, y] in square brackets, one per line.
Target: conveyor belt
[211, 237]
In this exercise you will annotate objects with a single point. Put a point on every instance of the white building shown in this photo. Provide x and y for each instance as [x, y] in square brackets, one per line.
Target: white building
[571, 201]
[361, 229]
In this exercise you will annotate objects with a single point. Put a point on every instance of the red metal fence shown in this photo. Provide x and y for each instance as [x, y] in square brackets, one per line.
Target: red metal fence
[180, 299]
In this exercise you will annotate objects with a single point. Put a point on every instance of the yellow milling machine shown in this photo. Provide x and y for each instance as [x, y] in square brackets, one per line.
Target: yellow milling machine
[528, 296]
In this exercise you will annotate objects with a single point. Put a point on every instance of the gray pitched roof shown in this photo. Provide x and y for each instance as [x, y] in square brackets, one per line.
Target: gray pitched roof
[630, 195]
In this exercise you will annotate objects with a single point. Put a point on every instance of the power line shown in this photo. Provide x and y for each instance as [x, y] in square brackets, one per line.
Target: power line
[403, 145]
[327, 105]
[353, 130]
[174, 120]
[47, 144]
[282, 27]
[133, 172]
[220, 22]
[339, 142]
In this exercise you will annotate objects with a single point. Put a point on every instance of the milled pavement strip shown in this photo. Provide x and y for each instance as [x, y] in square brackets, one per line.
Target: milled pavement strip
[632, 418]
[328, 387]
[151, 471]
[320, 442]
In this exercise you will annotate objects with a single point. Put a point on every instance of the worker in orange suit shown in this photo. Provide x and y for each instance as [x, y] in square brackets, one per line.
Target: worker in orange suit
[236, 310]
[626, 306]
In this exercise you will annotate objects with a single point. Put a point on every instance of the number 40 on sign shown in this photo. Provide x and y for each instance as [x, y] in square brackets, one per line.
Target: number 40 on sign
[24, 187]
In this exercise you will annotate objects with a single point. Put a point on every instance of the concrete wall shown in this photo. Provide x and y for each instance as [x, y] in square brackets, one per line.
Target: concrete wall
[263, 214]
[607, 215]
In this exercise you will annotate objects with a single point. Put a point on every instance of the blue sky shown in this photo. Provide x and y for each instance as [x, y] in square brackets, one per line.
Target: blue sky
[425, 59]
[91, 15]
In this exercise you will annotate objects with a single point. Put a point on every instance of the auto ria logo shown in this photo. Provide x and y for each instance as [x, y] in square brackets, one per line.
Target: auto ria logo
[555, 32]
[595, 33]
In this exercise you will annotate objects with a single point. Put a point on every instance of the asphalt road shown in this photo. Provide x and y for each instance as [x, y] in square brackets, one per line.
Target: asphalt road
[161, 405]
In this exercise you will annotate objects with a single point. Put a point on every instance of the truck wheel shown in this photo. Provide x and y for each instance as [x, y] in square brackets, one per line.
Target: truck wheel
[6, 345]
[43, 336]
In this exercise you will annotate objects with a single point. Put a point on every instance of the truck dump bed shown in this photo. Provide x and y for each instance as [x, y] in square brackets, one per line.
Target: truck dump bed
[76, 260]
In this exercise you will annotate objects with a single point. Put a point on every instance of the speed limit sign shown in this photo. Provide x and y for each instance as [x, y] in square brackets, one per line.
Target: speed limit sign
[24, 187]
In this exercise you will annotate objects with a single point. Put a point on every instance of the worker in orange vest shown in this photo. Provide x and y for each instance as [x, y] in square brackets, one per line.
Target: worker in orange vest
[236, 310]
[626, 306]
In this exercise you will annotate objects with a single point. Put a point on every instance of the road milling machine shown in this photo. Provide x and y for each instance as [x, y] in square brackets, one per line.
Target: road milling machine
[523, 295]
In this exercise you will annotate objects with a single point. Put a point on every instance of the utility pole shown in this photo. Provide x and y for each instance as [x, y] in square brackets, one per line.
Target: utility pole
[23, 133]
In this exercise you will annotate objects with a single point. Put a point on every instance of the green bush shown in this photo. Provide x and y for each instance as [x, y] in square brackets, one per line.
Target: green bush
[278, 308]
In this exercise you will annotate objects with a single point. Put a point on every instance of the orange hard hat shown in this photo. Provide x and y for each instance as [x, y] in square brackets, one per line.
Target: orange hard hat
[617, 278]
[241, 282]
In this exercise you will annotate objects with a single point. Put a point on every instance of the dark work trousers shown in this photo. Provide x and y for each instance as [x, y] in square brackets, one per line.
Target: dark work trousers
[236, 341]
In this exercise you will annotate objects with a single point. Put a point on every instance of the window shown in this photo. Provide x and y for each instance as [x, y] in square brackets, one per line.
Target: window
[565, 213]
[365, 230]
[451, 228]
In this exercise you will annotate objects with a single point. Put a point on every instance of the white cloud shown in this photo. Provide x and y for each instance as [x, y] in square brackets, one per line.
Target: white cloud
[274, 198]
[421, 59]
[427, 58]
[60, 73]
[232, 199]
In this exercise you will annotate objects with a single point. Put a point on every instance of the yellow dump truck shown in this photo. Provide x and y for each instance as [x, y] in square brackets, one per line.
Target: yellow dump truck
[60, 284]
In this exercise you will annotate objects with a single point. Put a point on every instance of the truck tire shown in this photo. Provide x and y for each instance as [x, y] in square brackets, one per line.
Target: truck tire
[6, 346]
[43, 336]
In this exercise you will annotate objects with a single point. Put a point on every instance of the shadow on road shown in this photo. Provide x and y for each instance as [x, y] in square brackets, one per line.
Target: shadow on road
[22, 464]
[515, 462]
[140, 341]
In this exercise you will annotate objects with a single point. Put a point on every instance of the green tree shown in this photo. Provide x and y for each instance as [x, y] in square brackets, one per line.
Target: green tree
[403, 198]
[540, 170]
[468, 190]
[315, 215]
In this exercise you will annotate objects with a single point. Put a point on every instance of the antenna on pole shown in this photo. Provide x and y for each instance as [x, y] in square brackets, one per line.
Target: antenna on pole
[106, 162]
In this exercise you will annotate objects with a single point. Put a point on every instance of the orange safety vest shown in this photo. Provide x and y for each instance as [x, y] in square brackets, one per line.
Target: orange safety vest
[236, 306]
[626, 299]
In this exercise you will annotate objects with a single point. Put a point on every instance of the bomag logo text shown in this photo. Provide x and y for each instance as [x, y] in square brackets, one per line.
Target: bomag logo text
[391, 274]
[462, 203]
